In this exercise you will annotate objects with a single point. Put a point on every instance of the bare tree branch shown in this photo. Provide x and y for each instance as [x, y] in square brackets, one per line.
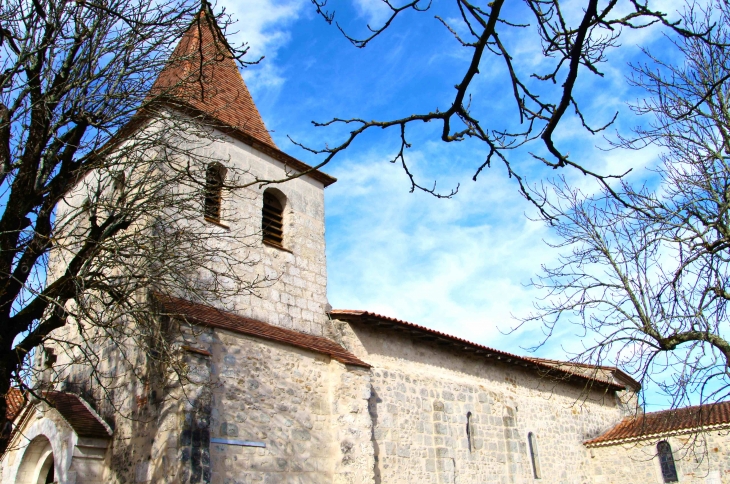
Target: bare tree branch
[646, 281]
[572, 53]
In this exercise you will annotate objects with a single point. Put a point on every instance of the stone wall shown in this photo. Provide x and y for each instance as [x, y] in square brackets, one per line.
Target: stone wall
[423, 397]
[298, 297]
[309, 411]
[160, 431]
[699, 459]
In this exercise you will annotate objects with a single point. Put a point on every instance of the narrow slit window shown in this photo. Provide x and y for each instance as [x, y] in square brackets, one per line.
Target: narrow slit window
[214, 176]
[534, 458]
[666, 461]
[469, 432]
[273, 220]
[118, 185]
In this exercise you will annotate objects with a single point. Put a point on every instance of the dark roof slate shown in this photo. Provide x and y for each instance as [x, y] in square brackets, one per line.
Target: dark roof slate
[209, 316]
[665, 421]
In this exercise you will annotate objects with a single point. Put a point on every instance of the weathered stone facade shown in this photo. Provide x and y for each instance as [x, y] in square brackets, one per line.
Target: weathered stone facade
[307, 409]
[423, 396]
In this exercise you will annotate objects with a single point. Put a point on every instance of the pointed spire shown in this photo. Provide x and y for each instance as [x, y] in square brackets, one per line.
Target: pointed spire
[203, 74]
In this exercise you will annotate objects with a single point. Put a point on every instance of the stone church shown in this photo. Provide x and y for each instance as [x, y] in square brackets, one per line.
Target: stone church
[285, 389]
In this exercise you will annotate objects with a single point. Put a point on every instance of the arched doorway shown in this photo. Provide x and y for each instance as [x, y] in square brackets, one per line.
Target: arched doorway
[47, 475]
[37, 466]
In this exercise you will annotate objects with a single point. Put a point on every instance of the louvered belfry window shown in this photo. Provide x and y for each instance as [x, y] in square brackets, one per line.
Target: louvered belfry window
[214, 177]
[273, 220]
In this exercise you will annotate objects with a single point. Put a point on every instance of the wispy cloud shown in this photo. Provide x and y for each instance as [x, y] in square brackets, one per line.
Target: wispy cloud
[454, 265]
[376, 12]
[265, 27]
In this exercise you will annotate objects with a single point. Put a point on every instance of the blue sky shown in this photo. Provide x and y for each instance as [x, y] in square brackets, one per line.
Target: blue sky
[459, 265]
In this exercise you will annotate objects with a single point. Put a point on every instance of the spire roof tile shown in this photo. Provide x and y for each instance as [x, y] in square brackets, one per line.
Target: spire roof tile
[203, 74]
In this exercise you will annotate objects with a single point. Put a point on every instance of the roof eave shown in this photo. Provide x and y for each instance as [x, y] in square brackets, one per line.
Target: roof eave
[656, 435]
[480, 350]
[343, 356]
[145, 114]
[302, 168]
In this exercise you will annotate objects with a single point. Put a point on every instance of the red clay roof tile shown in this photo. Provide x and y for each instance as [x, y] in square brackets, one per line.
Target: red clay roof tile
[213, 91]
[14, 401]
[665, 421]
[606, 372]
[78, 414]
[210, 316]
[203, 74]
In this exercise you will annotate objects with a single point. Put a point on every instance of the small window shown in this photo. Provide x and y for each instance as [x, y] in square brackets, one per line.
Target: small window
[469, 432]
[49, 357]
[118, 186]
[272, 221]
[118, 180]
[214, 177]
[666, 461]
[534, 458]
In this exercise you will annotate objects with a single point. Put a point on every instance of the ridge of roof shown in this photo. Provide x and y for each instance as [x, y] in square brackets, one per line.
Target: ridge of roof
[662, 422]
[203, 74]
[209, 316]
[503, 356]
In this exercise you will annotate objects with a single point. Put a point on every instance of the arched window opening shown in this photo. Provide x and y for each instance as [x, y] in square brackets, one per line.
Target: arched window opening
[469, 432]
[666, 461]
[272, 220]
[214, 177]
[534, 458]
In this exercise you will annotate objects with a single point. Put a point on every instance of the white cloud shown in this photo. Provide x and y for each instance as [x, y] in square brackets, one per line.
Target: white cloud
[376, 12]
[456, 265]
[264, 26]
